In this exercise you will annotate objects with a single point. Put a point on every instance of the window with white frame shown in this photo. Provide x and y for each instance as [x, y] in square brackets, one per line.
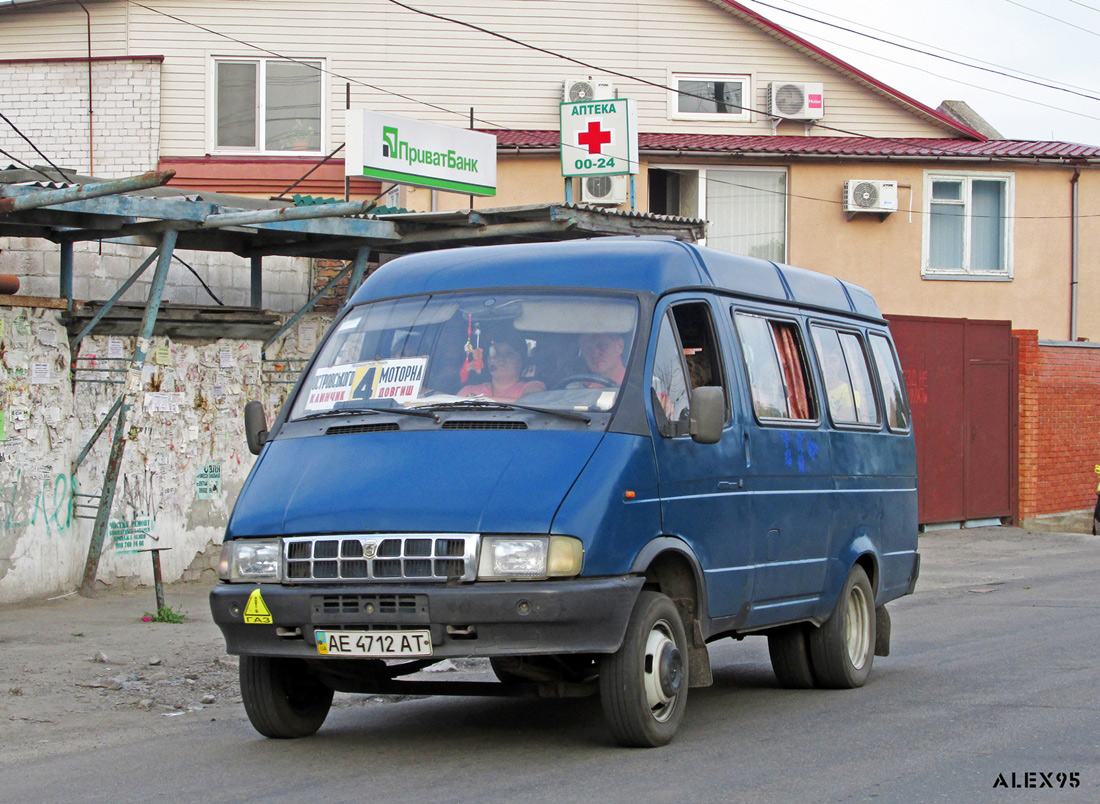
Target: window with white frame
[710, 97]
[267, 105]
[968, 225]
[746, 207]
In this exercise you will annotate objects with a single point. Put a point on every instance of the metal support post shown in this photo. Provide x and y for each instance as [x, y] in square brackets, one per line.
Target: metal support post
[357, 271]
[304, 309]
[106, 308]
[257, 285]
[65, 291]
[133, 385]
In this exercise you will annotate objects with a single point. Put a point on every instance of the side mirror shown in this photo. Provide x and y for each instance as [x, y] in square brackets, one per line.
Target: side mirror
[708, 414]
[255, 426]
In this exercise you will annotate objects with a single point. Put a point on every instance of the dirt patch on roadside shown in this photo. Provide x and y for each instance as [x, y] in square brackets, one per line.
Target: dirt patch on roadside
[69, 665]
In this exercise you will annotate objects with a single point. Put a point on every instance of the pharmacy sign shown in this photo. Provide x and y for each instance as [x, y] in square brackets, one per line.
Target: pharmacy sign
[599, 137]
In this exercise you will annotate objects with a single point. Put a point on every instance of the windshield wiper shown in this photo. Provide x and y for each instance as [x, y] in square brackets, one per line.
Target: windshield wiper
[489, 404]
[321, 414]
[366, 411]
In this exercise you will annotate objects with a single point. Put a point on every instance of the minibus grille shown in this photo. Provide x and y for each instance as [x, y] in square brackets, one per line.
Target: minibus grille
[380, 557]
[369, 604]
[385, 427]
[478, 425]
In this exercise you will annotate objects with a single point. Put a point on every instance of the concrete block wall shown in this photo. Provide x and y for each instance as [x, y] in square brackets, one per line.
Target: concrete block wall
[1059, 410]
[187, 418]
[48, 101]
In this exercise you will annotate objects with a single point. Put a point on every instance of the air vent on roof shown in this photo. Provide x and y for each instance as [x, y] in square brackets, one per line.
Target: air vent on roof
[870, 195]
[576, 90]
[796, 101]
[609, 190]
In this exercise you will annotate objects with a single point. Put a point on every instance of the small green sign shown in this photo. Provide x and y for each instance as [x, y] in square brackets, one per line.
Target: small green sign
[208, 481]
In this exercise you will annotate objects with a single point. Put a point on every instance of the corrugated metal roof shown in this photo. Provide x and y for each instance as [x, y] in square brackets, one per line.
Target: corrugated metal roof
[894, 147]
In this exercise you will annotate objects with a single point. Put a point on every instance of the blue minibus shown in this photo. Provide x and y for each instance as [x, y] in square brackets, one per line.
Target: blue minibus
[583, 461]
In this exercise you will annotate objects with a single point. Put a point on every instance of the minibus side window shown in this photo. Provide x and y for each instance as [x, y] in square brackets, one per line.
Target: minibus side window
[848, 386]
[686, 358]
[777, 371]
[669, 388]
[897, 408]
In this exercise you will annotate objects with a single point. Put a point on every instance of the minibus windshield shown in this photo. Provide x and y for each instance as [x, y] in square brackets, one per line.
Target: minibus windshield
[551, 350]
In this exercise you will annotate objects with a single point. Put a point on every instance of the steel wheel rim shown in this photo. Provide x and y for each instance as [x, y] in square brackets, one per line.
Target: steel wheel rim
[857, 628]
[659, 640]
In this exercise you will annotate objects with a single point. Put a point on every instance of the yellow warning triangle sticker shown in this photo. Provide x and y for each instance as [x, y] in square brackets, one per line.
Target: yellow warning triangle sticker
[256, 611]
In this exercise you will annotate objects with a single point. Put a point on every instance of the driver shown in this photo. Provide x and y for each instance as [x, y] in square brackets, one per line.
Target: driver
[603, 352]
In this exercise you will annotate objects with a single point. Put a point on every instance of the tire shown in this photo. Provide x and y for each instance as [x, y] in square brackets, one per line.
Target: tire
[843, 648]
[282, 698]
[789, 648]
[644, 685]
[503, 674]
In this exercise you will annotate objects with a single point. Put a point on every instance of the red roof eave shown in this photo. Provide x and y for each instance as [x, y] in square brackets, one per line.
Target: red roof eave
[793, 146]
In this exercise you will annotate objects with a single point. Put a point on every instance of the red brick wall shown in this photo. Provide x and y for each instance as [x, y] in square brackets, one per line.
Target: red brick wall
[1059, 425]
[324, 271]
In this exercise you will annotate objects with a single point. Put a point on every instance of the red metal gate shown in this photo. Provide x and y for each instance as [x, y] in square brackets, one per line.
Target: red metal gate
[962, 380]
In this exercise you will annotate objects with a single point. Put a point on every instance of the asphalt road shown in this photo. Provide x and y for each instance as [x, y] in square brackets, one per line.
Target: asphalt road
[993, 673]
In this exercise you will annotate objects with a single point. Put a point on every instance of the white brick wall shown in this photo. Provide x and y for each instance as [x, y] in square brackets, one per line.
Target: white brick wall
[49, 103]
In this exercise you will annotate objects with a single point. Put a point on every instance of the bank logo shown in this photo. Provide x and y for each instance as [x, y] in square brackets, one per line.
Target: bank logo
[389, 141]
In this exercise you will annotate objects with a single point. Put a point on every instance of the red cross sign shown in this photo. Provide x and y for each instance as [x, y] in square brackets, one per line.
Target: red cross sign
[599, 137]
[595, 138]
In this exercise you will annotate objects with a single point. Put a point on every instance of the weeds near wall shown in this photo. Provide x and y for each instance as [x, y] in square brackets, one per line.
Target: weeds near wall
[165, 614]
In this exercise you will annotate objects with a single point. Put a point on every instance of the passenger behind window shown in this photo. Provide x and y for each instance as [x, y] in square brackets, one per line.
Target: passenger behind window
[839, 389]
[507, 357]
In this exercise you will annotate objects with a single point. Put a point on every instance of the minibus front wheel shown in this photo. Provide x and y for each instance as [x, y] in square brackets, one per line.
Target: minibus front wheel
[282, 697]
[644, 685]
[843, 648]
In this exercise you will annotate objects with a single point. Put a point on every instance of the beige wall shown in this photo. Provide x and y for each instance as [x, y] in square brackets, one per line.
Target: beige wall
[885, 257]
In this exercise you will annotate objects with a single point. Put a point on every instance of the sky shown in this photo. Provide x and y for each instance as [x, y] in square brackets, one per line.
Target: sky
[1061, 48]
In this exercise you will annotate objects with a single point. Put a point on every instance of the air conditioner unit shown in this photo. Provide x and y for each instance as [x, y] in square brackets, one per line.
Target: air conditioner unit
[870, 195]
[610, 190]
[576, 90]
[796, 101]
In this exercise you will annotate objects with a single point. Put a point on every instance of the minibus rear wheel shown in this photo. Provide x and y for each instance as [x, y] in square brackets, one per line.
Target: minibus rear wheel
[789, 648]
[644, 685]
[843, 648]
[282, 698]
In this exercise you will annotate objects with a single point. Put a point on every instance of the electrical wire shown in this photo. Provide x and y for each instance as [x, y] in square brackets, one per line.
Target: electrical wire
[942, 151]
[193, 271]
[1051, 17]
[927, 53]
[949, 78]
[935, 47]
[26, 165]
[939, 150]
[1084, 5]
[36, 149]
[308, 64]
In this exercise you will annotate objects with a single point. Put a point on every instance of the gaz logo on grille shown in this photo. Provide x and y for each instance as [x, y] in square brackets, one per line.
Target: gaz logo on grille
[369, 549]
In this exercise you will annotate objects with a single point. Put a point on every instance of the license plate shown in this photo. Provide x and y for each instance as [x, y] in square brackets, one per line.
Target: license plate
[374, 644]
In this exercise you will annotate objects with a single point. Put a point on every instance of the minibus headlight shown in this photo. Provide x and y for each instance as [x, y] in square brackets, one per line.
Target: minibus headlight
[529, 557]
[250, 560]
